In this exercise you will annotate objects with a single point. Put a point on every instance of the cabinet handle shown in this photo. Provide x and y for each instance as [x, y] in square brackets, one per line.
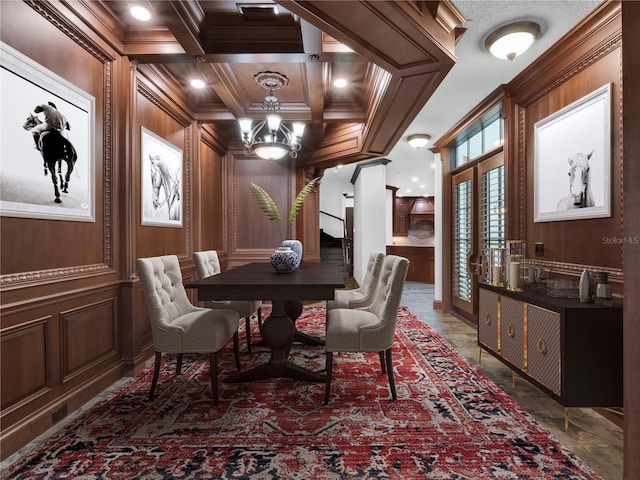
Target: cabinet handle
[487, 319]
[511, 331]
[542, 346]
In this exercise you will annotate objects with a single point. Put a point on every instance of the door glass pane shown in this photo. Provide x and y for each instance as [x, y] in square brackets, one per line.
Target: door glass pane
[462, 224]
[492, 232]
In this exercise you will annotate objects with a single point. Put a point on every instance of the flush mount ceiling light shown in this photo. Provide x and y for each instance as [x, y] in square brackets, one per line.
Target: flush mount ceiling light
[509, 41]
[277, 140]
[418, 140]
[197, 83]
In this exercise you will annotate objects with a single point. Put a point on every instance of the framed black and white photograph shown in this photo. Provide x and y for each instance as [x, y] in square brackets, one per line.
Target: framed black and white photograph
[161, 181]
[572, 162]
[47, 143]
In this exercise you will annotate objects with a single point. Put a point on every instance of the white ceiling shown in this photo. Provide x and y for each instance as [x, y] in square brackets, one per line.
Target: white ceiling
[474, 76]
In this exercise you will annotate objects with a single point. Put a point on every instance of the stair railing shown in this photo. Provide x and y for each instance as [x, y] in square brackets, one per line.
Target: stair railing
[347, 243]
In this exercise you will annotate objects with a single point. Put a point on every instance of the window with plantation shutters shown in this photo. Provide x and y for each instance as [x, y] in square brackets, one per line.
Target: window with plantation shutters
[462, 238]
[492, 228]
[476, 159]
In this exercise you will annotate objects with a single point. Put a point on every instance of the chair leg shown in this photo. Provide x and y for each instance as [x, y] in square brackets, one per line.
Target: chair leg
[236, 349]
[260, 318]
[392, 384]
[178, 364]
[382, 360]
[247, 328]
[213, 368]
[156, 371]
[328, 368]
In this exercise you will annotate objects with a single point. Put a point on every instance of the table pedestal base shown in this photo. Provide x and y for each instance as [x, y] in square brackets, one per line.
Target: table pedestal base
[279, 333]
[266, 370]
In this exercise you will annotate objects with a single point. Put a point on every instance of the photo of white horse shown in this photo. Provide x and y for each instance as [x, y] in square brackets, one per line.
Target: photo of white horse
[572, 160]
[161, 178]
[580, 192]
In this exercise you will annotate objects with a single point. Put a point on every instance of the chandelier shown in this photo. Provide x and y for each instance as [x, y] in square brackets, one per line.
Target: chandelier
[271, 139]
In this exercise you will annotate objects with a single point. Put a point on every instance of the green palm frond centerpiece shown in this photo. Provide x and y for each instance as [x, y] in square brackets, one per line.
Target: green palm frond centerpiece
[265, 202]
[269, 207]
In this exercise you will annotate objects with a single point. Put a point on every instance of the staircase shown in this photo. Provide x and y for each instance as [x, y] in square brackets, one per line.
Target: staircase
[331, 249]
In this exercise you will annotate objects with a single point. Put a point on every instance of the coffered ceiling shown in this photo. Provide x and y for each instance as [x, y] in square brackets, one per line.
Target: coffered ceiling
[392, 54]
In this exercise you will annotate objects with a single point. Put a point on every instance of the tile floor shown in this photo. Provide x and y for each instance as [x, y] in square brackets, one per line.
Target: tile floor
[593, 438]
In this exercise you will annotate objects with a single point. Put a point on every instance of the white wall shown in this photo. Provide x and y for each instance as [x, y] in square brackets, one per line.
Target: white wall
[389, 218]
[332, 202]
[437, 198]
[368, 216]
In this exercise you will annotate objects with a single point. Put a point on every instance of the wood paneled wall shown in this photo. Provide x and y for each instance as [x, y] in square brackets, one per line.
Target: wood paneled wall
[73, 317]
[580, 64]
[60, 310]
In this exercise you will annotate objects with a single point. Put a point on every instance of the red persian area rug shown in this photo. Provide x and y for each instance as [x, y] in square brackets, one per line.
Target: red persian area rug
[449, 422]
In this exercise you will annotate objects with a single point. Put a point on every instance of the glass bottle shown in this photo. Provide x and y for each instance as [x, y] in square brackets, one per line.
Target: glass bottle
[585, 287]
[603, 289]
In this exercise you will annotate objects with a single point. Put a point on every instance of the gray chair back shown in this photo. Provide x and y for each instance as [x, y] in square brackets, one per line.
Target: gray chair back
[207, 263]
[370, 281]
[388, 297]
[165, 297]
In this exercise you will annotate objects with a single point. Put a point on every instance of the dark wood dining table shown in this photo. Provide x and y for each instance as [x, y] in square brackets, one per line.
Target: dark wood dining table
[286, 292]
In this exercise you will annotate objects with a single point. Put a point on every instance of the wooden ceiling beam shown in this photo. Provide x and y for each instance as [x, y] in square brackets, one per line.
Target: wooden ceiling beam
[412, 45]
[313, 71]
[302, 57]
[183, 18]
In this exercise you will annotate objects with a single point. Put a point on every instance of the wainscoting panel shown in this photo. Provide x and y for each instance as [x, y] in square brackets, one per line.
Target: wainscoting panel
[89, 335]
[26, 360]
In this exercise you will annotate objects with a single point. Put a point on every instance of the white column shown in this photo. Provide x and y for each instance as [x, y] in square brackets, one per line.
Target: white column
[438, 228]
[369, 207]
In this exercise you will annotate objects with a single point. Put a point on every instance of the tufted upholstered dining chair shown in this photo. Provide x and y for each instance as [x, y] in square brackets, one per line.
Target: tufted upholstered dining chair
[177, 325]
[207, 264]
[364, 295]
[372, 328]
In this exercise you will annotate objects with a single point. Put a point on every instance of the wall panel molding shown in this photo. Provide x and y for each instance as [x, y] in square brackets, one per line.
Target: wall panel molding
[573, 69]
[71, 30]
[28, 278]
[88, 336]
[32, 376]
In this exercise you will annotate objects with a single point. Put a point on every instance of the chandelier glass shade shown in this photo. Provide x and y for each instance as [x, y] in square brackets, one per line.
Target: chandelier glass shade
[270, 139]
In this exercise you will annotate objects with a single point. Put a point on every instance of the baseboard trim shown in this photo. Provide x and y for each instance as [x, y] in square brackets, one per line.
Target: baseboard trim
[16, 436]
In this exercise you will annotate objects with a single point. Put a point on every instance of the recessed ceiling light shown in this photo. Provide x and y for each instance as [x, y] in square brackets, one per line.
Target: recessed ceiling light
[339, 83]
[408, 190]
[197, 83]
[414, 179]
[423, 186]
[140, 13]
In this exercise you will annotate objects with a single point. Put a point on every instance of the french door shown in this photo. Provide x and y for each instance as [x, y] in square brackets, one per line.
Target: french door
[477, 226]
